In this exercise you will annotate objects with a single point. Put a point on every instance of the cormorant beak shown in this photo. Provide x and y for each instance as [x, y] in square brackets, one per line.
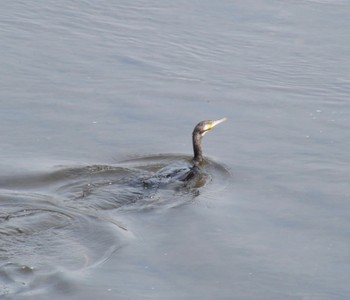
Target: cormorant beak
[211, 124]
[216, 122]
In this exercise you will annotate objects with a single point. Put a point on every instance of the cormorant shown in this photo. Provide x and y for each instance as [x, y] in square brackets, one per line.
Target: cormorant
[198, 132]
[179, 172]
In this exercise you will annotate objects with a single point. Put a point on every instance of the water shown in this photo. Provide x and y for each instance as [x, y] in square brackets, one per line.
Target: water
[96, 96]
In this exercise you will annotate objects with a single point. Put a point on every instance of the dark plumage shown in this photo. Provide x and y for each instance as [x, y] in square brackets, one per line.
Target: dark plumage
[198, 132]
[185, 172]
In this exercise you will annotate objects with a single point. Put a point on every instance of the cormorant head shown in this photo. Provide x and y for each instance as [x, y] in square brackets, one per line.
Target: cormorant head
[203, 127]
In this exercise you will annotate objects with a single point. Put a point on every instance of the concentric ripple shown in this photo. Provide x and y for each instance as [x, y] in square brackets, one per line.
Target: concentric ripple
[40, 240]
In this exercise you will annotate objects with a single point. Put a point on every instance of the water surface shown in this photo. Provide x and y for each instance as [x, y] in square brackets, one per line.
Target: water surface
[97, 96]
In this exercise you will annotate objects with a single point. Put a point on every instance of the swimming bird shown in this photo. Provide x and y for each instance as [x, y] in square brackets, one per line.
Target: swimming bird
[179, 171]
[198, 132]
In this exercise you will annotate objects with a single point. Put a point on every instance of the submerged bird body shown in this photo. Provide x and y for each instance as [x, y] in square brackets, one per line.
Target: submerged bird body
[184, 172]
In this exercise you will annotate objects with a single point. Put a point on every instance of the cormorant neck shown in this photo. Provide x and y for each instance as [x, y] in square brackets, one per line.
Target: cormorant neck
[197, 148]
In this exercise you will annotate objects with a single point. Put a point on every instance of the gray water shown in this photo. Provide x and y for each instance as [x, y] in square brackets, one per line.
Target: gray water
[97, 95]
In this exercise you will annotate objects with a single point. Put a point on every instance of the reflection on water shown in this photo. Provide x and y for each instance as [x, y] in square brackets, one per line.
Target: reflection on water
[57, 223]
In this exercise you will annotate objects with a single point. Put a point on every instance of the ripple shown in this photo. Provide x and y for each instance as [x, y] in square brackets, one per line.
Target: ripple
[216, 175]
[66, 221]
[123, 188]
[39, 239]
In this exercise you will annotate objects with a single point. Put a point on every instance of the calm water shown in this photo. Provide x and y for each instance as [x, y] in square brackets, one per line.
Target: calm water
[96, 96]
